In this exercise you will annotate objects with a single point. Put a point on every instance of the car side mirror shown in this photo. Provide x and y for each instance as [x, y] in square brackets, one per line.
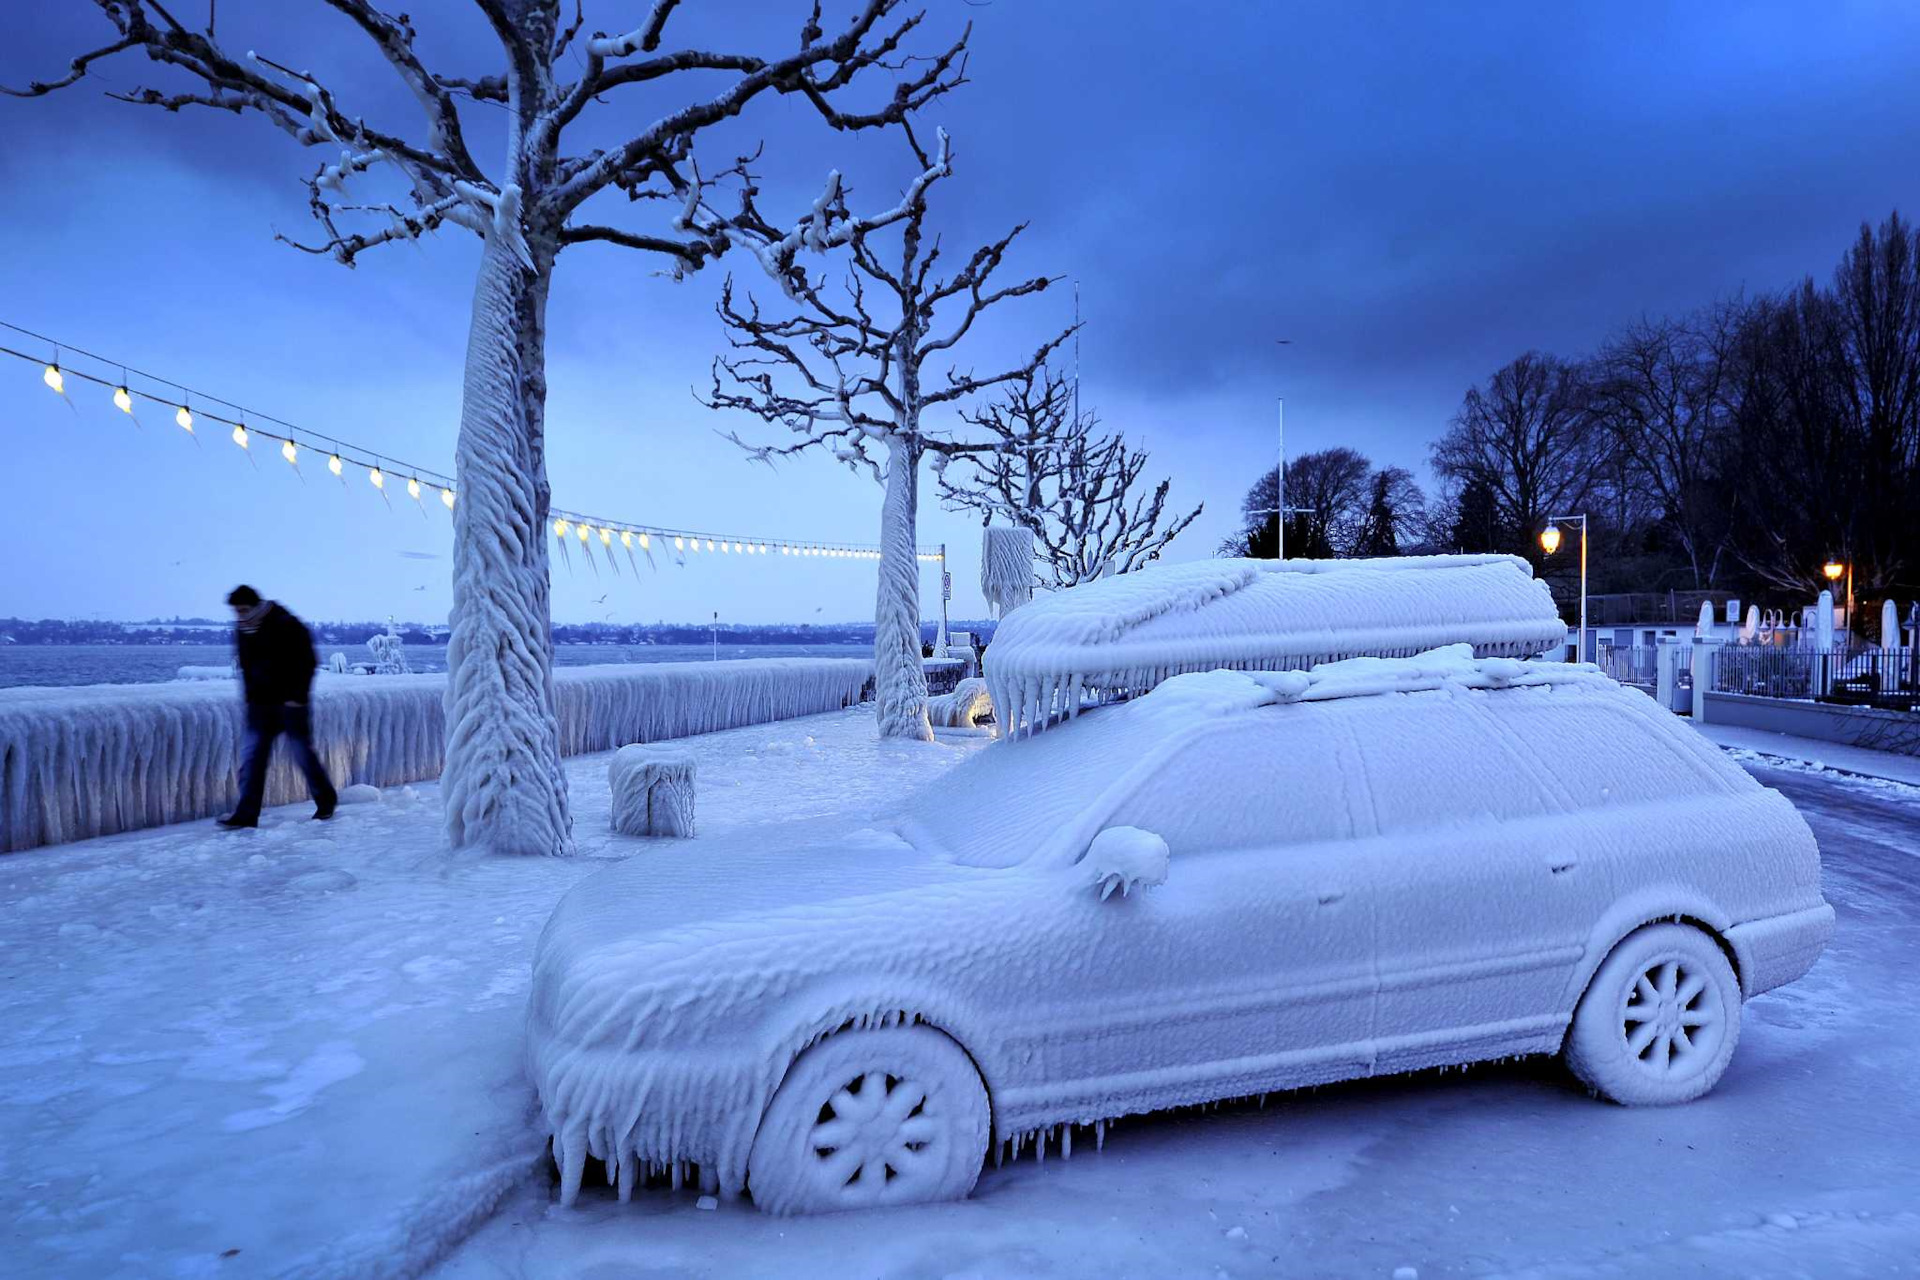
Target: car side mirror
[1126, 858]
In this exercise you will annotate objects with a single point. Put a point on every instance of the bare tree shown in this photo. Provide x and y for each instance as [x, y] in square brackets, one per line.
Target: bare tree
[1661, 390]
[847, 373]
[503, 785]
[1326, 501]
[1078, 491]
[1528, 441]
[1395, 514]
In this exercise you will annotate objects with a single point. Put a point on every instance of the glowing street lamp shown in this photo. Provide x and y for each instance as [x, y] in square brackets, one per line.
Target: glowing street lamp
[1550, 543]
[1833, 569]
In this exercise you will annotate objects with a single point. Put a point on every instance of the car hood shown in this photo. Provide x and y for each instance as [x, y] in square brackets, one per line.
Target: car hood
[689, 895]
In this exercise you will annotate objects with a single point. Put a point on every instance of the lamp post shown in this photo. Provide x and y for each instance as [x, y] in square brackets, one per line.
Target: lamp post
[1833, 569]
[1550, 543]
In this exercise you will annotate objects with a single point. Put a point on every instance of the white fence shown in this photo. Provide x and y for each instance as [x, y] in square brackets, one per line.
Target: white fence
[97, 759]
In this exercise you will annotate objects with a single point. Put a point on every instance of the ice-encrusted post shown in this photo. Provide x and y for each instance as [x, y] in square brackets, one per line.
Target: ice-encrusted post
[900, 681]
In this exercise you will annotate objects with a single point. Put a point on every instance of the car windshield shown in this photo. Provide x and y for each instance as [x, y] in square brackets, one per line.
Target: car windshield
[1020, 797]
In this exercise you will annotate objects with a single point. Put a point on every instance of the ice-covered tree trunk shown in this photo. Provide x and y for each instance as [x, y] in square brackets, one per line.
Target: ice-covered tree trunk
[900, 682]
[503, 786]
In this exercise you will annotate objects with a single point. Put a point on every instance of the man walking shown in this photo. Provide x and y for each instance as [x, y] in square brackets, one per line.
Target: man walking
[276, 667]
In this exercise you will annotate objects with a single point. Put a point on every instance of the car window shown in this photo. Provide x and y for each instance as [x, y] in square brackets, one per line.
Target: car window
[1280, 775]
[1602, 752]
[1436, 760]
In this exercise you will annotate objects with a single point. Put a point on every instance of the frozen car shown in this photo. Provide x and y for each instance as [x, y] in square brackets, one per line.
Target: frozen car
[1236, 883]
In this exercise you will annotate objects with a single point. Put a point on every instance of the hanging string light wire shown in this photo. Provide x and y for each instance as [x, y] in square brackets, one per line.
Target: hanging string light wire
[190, 411]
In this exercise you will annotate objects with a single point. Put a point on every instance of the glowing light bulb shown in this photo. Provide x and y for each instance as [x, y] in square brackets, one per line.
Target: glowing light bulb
[375, 478]
[289, 452]
[763, 548]
[240, 435]
[333, 463]
[582, 531]
[709, 544]
[723, 547]
[606, 537]
[123, 400]
[1550, 539]
[560, 528]
[413, 488]
[736, 546]
[679, 544]
[446, 498]
[184, 417]
[626, 539]
[53, 379]
[644, 541]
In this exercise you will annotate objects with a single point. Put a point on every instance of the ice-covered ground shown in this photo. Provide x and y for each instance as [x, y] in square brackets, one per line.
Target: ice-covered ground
[297, 1050]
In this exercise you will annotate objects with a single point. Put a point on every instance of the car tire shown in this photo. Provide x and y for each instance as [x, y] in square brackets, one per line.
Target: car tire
[1659, 1021]
[871, 1118]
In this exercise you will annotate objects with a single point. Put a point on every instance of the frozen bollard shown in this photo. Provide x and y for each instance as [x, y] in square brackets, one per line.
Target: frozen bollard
[652, 791]
[964, 708]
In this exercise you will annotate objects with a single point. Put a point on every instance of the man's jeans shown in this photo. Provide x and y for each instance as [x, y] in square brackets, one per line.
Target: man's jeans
[264, 724]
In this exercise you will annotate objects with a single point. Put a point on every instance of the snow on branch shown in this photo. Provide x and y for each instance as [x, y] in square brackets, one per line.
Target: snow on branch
[847, 366]
[304, 108]
[1078, 491]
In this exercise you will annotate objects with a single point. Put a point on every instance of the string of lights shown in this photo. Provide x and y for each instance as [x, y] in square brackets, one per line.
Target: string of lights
[191, 413]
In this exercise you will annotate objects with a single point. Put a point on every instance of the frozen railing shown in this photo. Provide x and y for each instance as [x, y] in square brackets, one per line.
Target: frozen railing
[1121, 636]
[1883, 677]
[96, 759]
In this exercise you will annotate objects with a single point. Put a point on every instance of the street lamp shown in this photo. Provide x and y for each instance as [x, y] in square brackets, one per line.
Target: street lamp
[1550, 543]
[1833, 569]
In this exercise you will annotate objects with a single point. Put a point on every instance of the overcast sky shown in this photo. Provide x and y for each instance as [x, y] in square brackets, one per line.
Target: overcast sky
[1412, 193]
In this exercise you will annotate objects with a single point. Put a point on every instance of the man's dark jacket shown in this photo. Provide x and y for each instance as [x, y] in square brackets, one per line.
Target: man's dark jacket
[276, 659]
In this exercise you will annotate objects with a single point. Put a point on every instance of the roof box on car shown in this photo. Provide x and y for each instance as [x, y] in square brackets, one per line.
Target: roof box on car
[1120, 636]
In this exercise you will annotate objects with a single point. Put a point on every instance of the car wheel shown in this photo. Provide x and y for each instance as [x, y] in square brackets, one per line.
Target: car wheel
[868, 1118]
[1659, 1021]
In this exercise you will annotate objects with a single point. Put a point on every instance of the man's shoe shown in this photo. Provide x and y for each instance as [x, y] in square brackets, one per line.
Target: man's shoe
[235, 820]
[322, 812]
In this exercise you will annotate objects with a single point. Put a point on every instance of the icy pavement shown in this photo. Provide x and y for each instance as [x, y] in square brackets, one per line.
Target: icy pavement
[297, 1050]
[1748, 745]
[1801, 1163]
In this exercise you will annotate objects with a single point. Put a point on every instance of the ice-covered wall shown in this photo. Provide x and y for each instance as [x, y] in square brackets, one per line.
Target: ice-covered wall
[93, 760]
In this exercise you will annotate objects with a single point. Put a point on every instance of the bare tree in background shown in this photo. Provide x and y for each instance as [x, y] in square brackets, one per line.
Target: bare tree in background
[503, 784]
[1326, 500]
[1661, 391]
[1395, 514]
[1528, 441]
[1080, 492]
[847, 372]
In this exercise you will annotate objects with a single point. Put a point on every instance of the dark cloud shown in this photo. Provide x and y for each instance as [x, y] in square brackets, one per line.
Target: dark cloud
[1412, 192]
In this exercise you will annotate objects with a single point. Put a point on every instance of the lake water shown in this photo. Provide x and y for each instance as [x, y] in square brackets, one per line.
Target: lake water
[70, 664]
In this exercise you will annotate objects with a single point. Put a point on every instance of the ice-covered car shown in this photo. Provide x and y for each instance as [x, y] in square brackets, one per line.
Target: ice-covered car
[1236, 883]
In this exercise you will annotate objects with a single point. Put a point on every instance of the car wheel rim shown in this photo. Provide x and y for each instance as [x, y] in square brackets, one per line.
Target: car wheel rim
[1673, 1020]
[876, 1138]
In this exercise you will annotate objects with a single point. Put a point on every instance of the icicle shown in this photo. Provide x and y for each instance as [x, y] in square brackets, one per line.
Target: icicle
[709, 1181]
[1099, 1135]
[1066, 1142]
[677, 1176]
[572, 1155]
